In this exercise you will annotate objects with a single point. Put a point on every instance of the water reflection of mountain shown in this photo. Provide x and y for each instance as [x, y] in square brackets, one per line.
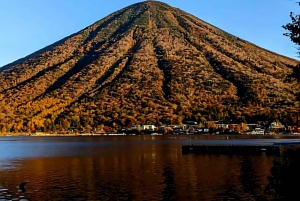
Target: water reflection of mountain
[285, 176]
[169, 191]
[155, 170]
[249, 181]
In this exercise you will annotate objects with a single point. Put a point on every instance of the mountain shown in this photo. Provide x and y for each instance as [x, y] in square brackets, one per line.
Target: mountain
[148, 63]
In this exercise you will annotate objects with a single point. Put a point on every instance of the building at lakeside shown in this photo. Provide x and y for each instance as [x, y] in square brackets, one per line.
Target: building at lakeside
[256, 131]
[225, 124]
[208, 127]
[276, 125]
[142, 128]
[294, 129]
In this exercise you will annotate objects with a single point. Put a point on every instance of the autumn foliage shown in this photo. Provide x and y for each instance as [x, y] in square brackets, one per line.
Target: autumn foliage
[148, 63]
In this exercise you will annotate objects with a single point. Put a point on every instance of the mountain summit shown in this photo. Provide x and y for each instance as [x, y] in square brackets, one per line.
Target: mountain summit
[148, 63]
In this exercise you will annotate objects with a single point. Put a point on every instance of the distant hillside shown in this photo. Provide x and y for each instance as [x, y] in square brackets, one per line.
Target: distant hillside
[148, 63]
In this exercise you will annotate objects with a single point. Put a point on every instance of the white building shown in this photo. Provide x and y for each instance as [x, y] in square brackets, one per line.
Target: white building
[143, 128]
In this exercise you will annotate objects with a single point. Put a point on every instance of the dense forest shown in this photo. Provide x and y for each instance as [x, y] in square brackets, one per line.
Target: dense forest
[148, 63]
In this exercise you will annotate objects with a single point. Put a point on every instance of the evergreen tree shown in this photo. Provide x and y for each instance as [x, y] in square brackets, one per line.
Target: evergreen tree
[294, 34]
[293, 28]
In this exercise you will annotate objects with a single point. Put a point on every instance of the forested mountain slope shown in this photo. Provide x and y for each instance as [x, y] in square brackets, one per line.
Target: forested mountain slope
[148, 63]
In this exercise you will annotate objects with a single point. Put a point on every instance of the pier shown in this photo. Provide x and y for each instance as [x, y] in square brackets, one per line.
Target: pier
[240, 146]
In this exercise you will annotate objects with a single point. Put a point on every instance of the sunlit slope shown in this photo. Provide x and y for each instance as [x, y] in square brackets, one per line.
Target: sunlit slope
[147, 63]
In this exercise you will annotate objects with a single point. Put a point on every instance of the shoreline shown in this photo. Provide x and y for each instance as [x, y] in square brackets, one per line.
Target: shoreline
[56, 135]
[124, 134]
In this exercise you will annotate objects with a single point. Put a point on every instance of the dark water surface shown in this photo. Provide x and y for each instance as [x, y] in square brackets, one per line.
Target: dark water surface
[141, 168]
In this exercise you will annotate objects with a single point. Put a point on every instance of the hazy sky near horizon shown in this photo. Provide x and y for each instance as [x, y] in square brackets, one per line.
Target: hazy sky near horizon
[27, 26]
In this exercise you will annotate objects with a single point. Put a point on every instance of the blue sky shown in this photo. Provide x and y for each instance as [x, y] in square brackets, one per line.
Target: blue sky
[27, 26]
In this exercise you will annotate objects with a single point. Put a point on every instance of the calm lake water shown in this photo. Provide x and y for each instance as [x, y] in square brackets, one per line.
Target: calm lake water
[141, 168]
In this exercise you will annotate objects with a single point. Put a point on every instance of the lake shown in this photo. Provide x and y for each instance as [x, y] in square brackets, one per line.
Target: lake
[142, 168]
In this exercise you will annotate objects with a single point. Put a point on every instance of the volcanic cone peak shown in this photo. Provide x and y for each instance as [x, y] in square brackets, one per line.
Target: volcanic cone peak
[146, 63]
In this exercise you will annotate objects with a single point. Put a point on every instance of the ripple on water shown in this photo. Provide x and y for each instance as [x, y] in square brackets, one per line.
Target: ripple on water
[6, 194]
[126, 169]
[10, 165]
